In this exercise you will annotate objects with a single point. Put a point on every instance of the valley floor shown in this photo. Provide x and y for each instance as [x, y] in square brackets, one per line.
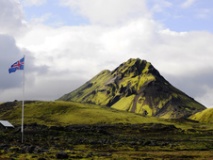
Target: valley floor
[117, 141]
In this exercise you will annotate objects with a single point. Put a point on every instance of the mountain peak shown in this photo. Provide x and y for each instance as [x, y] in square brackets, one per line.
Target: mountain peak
[137, 67]
[136, 86]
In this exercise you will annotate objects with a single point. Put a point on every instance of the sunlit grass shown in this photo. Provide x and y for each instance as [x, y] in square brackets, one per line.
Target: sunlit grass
[205, 116]
[66, 113]
[62, 113]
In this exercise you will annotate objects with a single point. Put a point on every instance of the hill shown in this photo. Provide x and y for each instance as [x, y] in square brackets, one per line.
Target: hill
[136, 86]
[57, 113]
[205, 116]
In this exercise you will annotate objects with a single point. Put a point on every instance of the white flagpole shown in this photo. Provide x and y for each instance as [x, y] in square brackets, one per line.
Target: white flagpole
[22, 121]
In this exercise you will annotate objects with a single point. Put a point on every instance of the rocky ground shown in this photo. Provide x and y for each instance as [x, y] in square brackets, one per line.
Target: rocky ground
[118, 141]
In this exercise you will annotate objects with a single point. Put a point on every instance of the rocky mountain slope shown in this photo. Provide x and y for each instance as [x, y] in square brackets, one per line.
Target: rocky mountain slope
[136, 86]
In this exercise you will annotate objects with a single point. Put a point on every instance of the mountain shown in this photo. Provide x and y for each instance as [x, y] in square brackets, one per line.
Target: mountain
[205, 116]
[136, 86]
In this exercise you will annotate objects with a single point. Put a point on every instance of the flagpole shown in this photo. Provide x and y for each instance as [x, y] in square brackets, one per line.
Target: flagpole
[22, 121]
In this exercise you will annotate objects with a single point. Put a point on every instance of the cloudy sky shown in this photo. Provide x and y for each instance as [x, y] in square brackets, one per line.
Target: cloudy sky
[67, 42]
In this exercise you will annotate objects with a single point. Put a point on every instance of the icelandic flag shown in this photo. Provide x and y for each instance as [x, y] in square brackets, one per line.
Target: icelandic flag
[19, 65]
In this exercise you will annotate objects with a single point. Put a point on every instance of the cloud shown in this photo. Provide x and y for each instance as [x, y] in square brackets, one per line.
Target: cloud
[197, 85]
[204, 13]
[33, 2]
[188, 3]
[110, 11]
[159, 6]
[13, 26]
[185, 52]
[74, 48]
[82, 52]
[206, 98]
[11, 17]
[10, 53]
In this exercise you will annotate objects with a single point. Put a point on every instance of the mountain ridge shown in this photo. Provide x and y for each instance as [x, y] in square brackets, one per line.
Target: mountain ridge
[136, 86]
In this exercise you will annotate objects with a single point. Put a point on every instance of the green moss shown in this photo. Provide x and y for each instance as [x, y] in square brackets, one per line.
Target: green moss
[148, 109]
[167, 115]
[146, 69]
[124, 104]
[101, 98]
[205, 116]
[144, 79]
[161, 102]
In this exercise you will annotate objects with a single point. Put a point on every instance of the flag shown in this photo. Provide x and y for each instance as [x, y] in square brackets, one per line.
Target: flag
[19, 65]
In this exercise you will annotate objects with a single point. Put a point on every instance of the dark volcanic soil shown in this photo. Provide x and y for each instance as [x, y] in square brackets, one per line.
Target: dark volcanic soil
[119, 141]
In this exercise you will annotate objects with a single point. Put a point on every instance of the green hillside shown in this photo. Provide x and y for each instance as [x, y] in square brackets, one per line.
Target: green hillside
[67, 113]
[205, 116]
[136, 86]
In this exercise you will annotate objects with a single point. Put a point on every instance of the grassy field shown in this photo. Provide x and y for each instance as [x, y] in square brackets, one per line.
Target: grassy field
[65, 113]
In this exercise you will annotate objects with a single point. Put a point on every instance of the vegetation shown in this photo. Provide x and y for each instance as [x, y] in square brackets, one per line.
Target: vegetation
[63, 113]
[205, 116]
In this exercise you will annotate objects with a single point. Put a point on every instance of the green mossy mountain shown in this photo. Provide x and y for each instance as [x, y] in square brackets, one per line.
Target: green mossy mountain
[205, 116]
[136, 86]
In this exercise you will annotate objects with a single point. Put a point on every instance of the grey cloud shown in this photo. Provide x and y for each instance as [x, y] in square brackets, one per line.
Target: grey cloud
[193, 84]
[11, 17]
[9, 54]
[52, 89]
[30, 66]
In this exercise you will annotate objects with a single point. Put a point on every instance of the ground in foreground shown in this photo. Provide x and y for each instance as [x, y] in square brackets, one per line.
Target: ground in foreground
[151, 141]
